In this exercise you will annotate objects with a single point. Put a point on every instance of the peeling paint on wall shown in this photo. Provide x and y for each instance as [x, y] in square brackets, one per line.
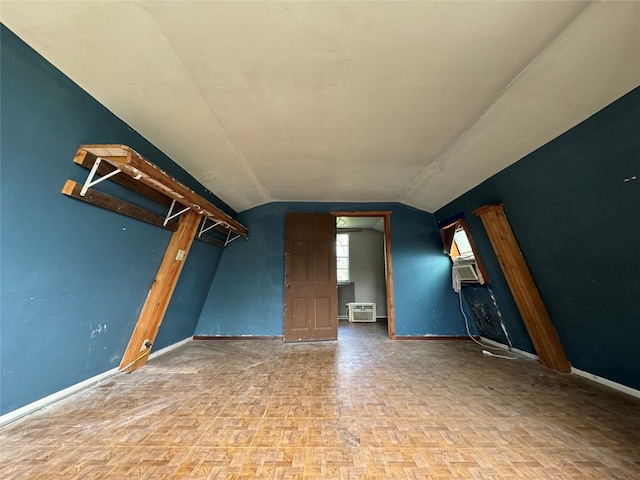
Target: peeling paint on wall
[99, 329]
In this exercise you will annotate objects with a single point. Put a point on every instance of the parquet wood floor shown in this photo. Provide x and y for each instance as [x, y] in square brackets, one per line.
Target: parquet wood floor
[363, 407]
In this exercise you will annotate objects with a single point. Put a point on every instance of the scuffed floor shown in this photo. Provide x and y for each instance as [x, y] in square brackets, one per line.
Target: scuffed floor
[361, 407]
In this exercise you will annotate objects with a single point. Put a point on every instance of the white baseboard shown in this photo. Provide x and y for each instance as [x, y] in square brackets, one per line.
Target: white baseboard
[55, 397]
[89, 382]
[173, 346]
[581, 373]
[608, 383]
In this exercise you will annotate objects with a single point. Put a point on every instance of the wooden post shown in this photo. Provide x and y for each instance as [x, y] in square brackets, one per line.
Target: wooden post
[388, 267]
[525, 293]
[161, 290]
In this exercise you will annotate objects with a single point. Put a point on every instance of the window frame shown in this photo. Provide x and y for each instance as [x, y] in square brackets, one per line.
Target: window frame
[348, 269]
[447, 232]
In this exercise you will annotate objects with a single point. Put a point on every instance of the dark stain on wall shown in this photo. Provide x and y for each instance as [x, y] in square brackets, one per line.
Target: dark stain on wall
[486, 322]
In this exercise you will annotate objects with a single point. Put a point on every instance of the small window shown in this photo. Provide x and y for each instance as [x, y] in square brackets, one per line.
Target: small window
[342, 256]
[459, 245]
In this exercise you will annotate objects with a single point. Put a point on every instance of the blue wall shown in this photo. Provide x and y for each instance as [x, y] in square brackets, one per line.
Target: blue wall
[190, 294]
[247, 294]
[74, 276]
[575, 211]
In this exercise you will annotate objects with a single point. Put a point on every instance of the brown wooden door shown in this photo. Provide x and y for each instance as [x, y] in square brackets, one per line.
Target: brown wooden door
[311, 287]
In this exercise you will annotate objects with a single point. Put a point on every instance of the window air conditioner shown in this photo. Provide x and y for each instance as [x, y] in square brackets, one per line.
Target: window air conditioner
[362, 312]
[465, 270]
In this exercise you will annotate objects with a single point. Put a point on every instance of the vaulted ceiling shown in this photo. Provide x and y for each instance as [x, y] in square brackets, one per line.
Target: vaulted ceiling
[415, 102]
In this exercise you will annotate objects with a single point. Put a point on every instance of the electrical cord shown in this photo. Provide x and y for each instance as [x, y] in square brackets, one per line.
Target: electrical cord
[485, 352]
[490, 354]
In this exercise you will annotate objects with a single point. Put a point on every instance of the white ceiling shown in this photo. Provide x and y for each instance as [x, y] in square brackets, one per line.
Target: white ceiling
[415, 102]
[360, 223]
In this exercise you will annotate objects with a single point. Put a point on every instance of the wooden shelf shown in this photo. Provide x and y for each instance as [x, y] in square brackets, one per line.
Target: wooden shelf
[146, 179]
[131, 163]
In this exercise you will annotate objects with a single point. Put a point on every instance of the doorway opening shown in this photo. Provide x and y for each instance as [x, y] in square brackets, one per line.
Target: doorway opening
[364, 268]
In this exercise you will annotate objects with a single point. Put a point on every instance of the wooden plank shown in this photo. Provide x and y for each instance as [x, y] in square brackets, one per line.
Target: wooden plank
[141, 169]
[159, 296]
[388, 266]
[87, 159]
[102, 200]
[380, 213]
[523, 288]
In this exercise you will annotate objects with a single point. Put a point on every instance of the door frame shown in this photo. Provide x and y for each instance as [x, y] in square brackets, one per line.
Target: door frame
[388, 264]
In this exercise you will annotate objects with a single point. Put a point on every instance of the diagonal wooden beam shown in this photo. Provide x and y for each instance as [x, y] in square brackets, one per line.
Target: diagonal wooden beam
[159, 296]
[523, 288]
